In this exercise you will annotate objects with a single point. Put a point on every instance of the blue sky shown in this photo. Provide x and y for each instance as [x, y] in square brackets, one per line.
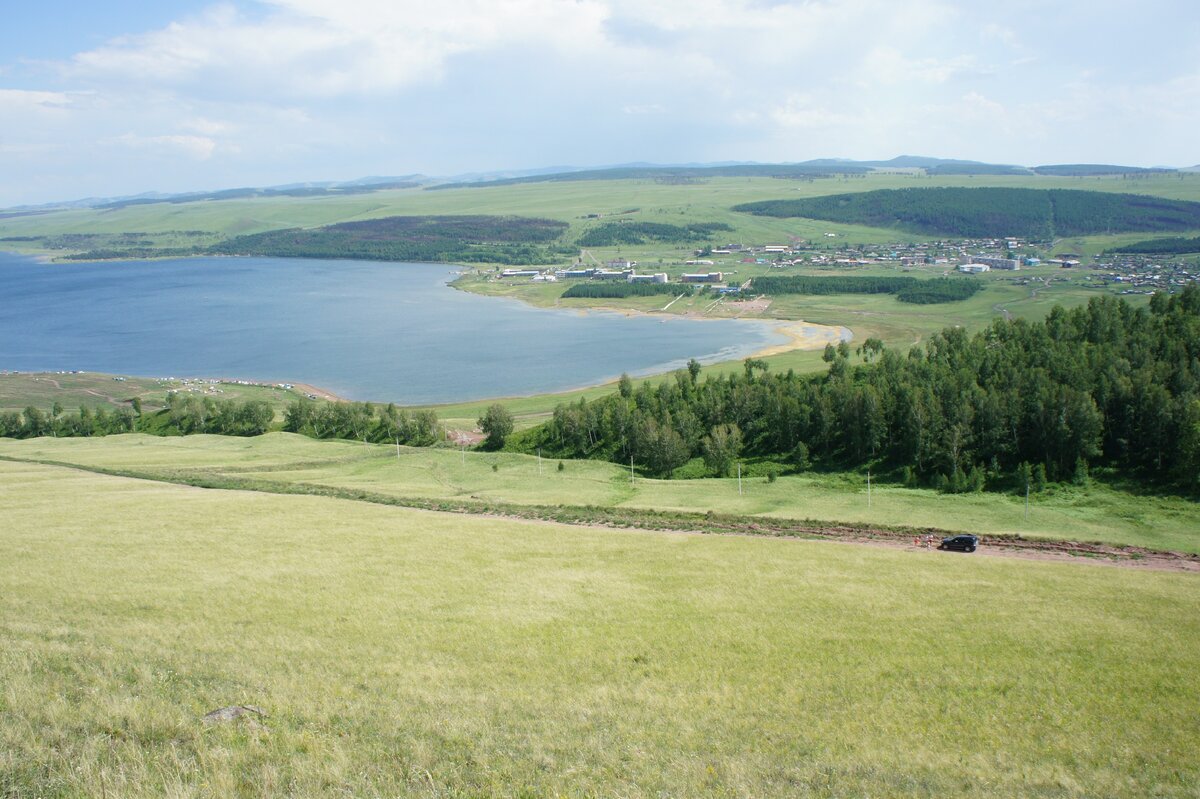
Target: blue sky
[123, 97]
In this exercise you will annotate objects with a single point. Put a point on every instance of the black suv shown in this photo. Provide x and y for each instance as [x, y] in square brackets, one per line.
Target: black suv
[964, 543]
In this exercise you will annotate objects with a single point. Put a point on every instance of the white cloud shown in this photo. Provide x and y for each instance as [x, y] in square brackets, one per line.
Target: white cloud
[206, 127]
[982, 107]
[1001, 34]
[643, 110]
[321, 48]
[274, 91]
[803, 111]
[24, 100]
[199, 147]
[888, 66]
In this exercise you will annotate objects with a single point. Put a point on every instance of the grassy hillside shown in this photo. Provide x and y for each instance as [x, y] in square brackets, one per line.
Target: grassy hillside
[1100, 512]
[93, 390]
[991, 212]
[577, 203]
[402, 653]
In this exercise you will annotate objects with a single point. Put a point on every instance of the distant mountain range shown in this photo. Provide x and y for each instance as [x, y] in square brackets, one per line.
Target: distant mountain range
[684, 172]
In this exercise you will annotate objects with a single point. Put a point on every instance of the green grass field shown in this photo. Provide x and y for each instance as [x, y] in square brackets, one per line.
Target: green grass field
[706, 201]
[406, 653]
[400, 652]
[95, 390]
[1099, 512]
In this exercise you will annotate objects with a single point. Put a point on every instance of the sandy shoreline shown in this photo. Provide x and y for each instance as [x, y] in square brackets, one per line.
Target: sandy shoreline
[805, 336]
[800, 335]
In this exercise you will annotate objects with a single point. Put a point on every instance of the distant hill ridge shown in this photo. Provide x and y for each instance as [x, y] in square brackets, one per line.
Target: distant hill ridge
[811, 169]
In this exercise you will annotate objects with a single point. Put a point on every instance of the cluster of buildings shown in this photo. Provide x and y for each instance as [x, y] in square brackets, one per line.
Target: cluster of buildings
[1130, 274]
[1142, 274]
[625, 272]
[994, 253]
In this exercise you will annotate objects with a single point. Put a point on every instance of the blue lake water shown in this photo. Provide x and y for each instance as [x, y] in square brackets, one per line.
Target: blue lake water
[364, 330]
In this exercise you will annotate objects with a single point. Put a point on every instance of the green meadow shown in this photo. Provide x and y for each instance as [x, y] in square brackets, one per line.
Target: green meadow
[1100, 512]
[404, 652]
[407, 653]
[708, 200]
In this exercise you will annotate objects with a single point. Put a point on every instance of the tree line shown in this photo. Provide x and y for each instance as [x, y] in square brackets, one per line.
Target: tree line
[34, 422]
[610, 289]
[184, 415]
[187, 414]
[1176, 245]
[363, 421]
[611, 234]
[1038, 214]
[905, 288]
[459, 239]
[1103, 385]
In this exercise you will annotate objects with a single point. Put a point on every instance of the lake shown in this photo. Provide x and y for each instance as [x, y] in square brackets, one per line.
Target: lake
[363, 330]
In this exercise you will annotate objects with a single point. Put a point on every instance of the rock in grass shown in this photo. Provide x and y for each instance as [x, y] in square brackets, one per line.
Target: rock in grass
[233, 713]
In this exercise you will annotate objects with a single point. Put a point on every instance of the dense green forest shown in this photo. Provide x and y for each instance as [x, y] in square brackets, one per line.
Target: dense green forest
[806, 284]
[1103, 385]
[34, 422]
[613, 290]
[1176, 245]
[611, 234]
[1034, 214]
[906, 289]
[938, 290]
[363, 421]
[460, 239]
[975, 169]
[1091, 170]
[186, 414]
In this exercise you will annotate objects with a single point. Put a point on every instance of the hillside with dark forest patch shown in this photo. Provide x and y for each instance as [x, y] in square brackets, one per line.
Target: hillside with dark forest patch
[1036, 214]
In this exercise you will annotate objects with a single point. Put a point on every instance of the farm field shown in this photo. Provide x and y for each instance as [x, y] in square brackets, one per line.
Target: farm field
[406, 653]
[1097, 513]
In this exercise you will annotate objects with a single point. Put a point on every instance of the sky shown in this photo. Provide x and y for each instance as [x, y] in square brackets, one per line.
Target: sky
[130, 96]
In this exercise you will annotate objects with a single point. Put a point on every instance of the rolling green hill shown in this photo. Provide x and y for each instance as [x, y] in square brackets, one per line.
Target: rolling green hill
[403, 653]
[463, 239]
[1176, 245]
[991, 212]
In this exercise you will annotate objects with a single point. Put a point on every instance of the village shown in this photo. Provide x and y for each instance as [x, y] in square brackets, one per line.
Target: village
[967, 255]
[1143, 274]
[1130, 274]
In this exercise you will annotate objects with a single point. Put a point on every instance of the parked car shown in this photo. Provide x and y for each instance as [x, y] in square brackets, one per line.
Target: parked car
[963, 543]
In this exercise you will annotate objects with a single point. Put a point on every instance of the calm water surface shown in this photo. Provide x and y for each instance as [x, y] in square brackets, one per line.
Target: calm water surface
[364, 330]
